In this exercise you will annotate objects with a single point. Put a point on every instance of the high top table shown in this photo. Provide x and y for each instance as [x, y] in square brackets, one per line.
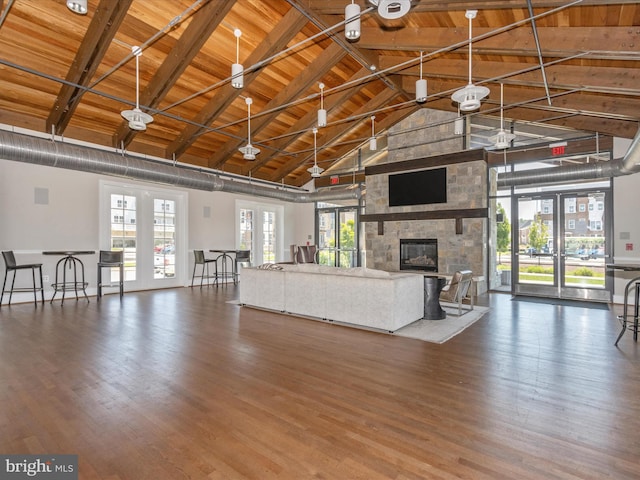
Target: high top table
[628, 267]
[225, 256]
[69, 261]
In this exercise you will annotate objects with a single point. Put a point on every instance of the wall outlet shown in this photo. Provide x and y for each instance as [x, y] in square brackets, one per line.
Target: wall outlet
[45, 278]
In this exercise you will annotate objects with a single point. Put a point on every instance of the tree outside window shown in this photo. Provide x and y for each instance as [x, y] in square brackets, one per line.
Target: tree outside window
[538, 234]
[503, 233]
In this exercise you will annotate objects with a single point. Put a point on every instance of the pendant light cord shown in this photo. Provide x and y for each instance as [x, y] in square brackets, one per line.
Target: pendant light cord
[137, 52]
[249, 101]
[470, 49]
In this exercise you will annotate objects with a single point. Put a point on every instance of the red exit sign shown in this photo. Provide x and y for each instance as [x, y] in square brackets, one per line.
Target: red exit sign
[558, 148]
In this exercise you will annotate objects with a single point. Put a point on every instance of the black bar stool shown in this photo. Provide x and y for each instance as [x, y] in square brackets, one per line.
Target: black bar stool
[12, 266]
[243, 258]
[111, 259]
[199, 259]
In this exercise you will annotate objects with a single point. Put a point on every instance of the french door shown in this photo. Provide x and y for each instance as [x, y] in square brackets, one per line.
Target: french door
[561, 245]
[260, 229]
[337, 234]
[148, 225]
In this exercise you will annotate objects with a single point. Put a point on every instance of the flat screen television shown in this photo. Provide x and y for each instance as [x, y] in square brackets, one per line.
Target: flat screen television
[418, 188]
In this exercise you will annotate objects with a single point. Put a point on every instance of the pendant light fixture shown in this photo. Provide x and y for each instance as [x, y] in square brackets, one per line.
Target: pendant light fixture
[237, 71]
[421, 86]
[77, 6]
[373, 143]
[502, 139]
[352, 21]
[249, 152]
[137, 118]
[469, 97]
[322, 113]
[315, 171]
[392, 9]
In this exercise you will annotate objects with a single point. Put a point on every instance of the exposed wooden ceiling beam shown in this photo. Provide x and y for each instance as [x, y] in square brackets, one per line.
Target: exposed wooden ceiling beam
[274, 42]
[103, 27]
[201, 26]
[606, 80]
[319, 67]
[333, 133]
[336, 7]
[555, 41]
[305, 123]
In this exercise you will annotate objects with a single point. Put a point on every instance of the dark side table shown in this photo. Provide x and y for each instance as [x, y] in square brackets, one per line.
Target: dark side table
[433, 285]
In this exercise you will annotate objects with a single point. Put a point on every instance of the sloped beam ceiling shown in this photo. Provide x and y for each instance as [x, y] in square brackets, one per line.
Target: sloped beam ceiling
[103, 27]
[275, 42]
[385, 124]
[331, 134]
[305, 123]
[587, 110]
[317, 9]
[320, 65]
[567, 75]
[204, 22]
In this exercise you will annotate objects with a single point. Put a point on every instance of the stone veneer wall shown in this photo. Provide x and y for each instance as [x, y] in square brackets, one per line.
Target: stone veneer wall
[466, 188]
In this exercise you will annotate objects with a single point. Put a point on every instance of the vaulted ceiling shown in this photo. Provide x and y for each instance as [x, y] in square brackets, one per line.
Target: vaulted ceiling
[568, 63]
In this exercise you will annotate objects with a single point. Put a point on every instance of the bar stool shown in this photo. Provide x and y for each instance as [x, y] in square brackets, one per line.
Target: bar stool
[243, 258]
[204, 262]
[111, 259]
[636, 307]
[12, 266]
[630, 321]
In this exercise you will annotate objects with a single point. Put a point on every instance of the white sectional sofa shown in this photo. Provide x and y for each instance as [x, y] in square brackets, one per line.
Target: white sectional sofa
[356, 296]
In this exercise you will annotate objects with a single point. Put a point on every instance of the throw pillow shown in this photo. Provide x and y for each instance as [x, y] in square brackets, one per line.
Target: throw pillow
[270, 266]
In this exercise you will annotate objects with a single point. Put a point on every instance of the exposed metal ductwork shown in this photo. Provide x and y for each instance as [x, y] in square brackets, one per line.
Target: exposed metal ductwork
[39, 151]
[627, 165]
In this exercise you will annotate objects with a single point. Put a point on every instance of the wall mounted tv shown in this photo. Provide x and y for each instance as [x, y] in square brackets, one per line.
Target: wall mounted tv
[418, 188]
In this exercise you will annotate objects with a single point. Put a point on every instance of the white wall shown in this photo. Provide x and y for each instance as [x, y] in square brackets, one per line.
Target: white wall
[626, 221]
[70, 218]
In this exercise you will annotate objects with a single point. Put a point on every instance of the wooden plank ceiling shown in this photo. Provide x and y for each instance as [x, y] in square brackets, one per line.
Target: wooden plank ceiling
[575, 65]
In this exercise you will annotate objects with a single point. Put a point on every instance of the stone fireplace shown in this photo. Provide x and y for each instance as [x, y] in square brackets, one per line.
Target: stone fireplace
[419, 254]
[458, 227]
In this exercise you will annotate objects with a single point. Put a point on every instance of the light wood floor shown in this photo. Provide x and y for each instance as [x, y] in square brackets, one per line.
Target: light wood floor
[179, 384]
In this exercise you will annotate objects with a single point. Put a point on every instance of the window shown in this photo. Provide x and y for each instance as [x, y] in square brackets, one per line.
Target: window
[269, 237]
[571, 224]
[246, 229]
[164, 239]
[148, 225]
[123, 234]
[582, 207]
[264, 236]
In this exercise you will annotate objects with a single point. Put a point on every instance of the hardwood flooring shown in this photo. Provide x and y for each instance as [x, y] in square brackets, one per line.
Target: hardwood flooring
[179, 383]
